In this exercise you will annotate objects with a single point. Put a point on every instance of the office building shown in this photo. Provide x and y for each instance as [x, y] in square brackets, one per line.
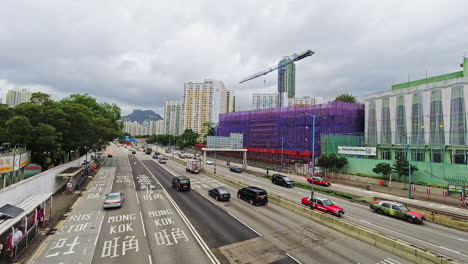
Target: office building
[203, 102]
[17, 96]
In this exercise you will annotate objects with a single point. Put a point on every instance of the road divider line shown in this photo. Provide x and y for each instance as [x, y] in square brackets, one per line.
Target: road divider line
[244, 223]
[99, 230]
[192, 229]
[293, 258]
[143, 223]
[138, 200]
[150, 260]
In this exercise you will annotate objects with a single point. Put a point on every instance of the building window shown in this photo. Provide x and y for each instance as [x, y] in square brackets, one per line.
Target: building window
[436, 156]
[417, 155]
[460, 157]
[386, 155]
[401, 154]
[386, 122]
[417, 121]
[437, 135]
[400, 121]
[457, 117]
[371, 125]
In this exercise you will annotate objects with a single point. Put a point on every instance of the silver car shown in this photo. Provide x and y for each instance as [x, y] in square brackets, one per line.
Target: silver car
[113, 200]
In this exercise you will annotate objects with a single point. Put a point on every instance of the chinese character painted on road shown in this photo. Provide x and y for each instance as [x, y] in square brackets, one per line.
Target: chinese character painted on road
[60, 244]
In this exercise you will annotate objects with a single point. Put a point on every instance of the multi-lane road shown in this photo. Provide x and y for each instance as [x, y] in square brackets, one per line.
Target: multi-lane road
[444, 240]
[157, 224]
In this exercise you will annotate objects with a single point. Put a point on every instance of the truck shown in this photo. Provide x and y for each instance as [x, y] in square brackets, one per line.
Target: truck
[193, 166]
[148, 150]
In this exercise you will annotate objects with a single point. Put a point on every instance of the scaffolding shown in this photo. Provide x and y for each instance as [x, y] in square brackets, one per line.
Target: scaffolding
[270, 134]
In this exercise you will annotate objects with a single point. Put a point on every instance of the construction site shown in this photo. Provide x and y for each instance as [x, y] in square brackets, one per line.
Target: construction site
[282, 137]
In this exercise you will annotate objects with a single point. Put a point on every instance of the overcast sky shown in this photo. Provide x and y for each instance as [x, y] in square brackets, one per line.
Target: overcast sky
[139, 53]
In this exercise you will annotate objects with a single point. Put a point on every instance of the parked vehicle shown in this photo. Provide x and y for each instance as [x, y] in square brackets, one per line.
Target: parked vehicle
[133, 152]
[220, 194]
[319, 181]
[181, 183]
[235, 169]
[167, 151]
[109, 155]
[113, 200]
[253, 195]
[282, 180]
[155, 156]
[181, 156]
[148, 151]
[324, 205]
[197, 155]
[209, 162]
[162, 160]
[397, 210]
[193, 166]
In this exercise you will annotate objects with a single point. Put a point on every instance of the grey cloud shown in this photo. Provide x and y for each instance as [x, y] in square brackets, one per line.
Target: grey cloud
[139, 53]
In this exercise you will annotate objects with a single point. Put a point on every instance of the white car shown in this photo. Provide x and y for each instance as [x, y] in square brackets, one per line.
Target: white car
[209, 162]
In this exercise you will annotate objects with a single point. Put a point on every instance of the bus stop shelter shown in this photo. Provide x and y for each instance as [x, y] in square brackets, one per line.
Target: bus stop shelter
[19, 223]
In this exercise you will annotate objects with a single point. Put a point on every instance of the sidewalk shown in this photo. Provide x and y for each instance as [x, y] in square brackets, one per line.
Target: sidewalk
[62, 203]
[359, 192]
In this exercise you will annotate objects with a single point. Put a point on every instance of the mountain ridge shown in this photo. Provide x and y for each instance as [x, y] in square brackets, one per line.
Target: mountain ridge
[140, 116]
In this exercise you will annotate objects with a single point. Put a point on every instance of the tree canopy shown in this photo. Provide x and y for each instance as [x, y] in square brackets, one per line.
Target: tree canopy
[52, 131]
[347, 98]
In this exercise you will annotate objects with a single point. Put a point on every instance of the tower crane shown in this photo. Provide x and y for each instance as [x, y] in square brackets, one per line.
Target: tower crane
[281, 67]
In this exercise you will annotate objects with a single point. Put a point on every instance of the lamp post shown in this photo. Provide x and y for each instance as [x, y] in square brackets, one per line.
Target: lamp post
[313, 160]
[282, 148]
[410, 189]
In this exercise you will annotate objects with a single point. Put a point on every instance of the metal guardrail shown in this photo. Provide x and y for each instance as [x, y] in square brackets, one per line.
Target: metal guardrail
[433, 211]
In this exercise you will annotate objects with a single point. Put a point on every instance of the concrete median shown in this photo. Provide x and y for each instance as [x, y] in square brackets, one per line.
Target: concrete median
[382, 241]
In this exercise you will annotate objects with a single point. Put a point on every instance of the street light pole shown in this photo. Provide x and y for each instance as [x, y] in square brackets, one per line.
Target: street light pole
[282, 148]
[313, 158]
[410, 194]
[214, 169]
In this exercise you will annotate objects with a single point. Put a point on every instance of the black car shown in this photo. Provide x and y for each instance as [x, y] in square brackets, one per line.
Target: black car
[133, 152]
[253, 195]
[282, 180]
[181, 183]
[235, 169]
[220, 194]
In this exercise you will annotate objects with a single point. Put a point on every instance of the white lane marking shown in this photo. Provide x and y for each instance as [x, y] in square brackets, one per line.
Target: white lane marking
[138, 200]
[99, 230]
[142, 223]
[391, 261]
[150, 260]
[293, 258]
[401, 234]
[194, 232]
[133, 181]
[244, 223]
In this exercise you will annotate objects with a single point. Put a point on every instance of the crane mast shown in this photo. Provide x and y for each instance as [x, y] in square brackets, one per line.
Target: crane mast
[281, 67]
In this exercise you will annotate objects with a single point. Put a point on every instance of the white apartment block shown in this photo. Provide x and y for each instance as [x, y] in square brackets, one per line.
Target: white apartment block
[173, 117]
[267, 100]
[17, 96]
[203, 102]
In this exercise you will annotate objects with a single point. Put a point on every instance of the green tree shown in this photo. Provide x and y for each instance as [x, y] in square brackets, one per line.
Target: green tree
[401, 167]
[19, 130]
[45, 146]
[208, 129]
[187, 139]
[347, 98]
[332, 162]
[383, 168]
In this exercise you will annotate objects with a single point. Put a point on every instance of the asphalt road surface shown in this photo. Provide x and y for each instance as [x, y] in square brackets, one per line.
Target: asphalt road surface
[157, 224]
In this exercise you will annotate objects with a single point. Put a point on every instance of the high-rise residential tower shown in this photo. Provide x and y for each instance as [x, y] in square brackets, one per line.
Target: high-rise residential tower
[173, 117]
[17, 96]
[203, 102]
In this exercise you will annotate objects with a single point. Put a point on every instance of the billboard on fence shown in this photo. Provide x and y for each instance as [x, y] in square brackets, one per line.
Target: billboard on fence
[25, 159]
[364, 151]
[6, 163]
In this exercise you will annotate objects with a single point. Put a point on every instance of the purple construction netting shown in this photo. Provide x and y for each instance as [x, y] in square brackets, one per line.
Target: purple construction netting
[265, 128]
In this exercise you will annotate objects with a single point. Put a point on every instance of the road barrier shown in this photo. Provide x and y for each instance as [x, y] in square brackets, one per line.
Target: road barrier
[378, 240]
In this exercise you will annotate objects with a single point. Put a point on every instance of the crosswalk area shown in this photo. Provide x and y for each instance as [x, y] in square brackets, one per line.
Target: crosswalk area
[389, 261]
[205, 183]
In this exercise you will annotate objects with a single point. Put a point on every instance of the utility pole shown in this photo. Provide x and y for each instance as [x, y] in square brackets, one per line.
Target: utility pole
[282, 148]
[313, 160]
[410, 189]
